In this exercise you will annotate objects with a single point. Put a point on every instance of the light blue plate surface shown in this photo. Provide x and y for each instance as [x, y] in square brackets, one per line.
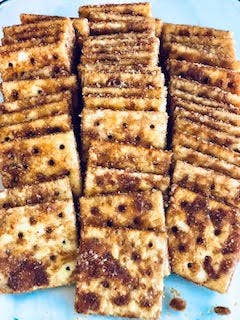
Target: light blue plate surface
[57, 304]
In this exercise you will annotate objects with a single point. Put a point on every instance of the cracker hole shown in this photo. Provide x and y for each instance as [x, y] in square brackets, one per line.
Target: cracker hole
[217, 232]
[137, 138]
[124, 125]
[105, 284]
[150, 244]
[53, 257]
[110, 137]
[55, 56]
[62, 146]
[32, 60]
[189, 265]
[122, 208]
[35, 150]
[6, 139]
[10, 65]
[152, 126]
[48, 230]
[51, 162]
[60, 215]
[40, 91]
[109, 223]
[96, 123]
[68, 268]
[20, 235]
[174, 229]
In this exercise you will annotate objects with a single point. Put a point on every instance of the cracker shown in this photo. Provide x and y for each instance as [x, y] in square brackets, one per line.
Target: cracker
[207, 147]
[136, 9]
[209, 121]
[203, 132]
[39, 127]
[92, 101]
[204, 239]
[36, 193]
[190, 30]
[17, 90]
[31, 114]
[38, 247]
[227, 114]
[207, 102]
[207, 182]
[134, 127]
[212, 56]
[39, 55]
[125, 156]
[227, 43]
[205, 91]
[223, 78]
[34, 102]
[122, 79]
[103, 180]
[206, 161]
[127, 276]
[40, 159]
[143, 210]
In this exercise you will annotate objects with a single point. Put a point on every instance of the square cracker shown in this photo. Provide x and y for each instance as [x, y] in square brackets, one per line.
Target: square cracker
[59, 189]
[204, 91]
[35, 102]
[103, 180]
[220, 112]
[126, 156]
[120, 273]
[40, 159]
[142, 210]
[134, 127]
[38, 246]
[207, 147]
[207, 182]
[17, 90]
[138, 9]
[35, 128]
[204, 239]
[223, 78]
[55, 51]
[204, 160]
[31, 114]
[207, 133]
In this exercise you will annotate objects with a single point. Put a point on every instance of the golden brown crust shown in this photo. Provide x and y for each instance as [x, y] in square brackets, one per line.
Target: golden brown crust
[40, 159]
[103, 180]
[205, 55]
[223, 78]
[18, 90]
[215, 111]
[31, 114]
[143, 210]
[35, 102]
[204, 239]
[207, 182]
[206, 147]
[120, 273]
[58, 189]
[208, 134]
[205, 91]
[189, 30]
[38, 246]
[135, 9]
[134, 127]
[125, 156]
[36, 128]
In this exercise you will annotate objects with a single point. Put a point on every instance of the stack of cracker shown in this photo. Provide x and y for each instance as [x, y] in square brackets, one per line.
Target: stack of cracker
[38, 157]
[123, 250]
[203, 217]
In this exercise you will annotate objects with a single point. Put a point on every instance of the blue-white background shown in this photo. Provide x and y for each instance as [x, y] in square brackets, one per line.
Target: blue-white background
[57, 304]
